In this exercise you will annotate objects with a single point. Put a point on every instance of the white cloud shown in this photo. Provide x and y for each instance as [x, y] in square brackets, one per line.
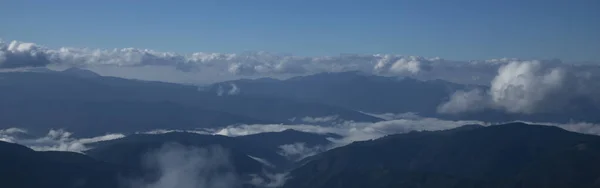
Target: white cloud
[55, 140]
[323, 119]
[262, 161]
[20, 54]
[360, 131]
[392, 116]
[234, 90]
[529, 87]
[521, 87]
[202, 67]
[164, 131]
[189, 167]
[401, 64]
[299, 151]
[269, 180]
[461, 101]
[351, 131]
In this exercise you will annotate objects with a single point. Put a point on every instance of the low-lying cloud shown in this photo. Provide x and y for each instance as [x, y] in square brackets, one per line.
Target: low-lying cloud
[350, 131]
[55, 140]
[298, 151]
[179, 166]
[396, 124]
[324, 119]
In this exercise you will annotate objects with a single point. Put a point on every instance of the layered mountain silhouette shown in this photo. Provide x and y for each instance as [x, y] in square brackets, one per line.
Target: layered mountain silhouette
[500, 156]
[115, 163]
[83, 102]
[22, 167]
[510, 155]
[89, 104]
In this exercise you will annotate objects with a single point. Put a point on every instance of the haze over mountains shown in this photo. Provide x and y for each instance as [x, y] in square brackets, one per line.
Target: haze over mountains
[75, 118]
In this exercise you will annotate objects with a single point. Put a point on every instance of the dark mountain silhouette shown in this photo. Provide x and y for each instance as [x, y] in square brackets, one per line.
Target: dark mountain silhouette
[22, 167]
[112, 163]
[510, 155]
[128, 150]
[514, 155]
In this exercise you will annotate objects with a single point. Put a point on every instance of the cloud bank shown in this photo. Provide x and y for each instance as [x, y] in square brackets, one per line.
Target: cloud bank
[202, 67]
[350, 131]
[529, 87]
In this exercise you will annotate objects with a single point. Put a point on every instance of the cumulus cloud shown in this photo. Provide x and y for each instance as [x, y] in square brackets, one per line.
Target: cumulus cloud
[402, 64]
[464, 101]
[522, 87]
[188, 167]
[55, 140]
[529, 87]
[20, 54]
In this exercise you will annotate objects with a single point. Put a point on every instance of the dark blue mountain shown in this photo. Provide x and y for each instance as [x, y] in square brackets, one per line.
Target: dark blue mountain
[510, 155]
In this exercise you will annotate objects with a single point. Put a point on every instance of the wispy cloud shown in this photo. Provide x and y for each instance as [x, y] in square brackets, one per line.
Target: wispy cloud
[351, 131]
[323, 119]
[55, 140]
[188, 167]
[298, 151]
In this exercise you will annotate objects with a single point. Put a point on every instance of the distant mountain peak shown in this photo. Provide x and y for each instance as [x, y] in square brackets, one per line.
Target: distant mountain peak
[80, 72]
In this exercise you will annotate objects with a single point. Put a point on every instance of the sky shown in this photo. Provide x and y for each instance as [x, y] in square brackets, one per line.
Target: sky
[451, 29]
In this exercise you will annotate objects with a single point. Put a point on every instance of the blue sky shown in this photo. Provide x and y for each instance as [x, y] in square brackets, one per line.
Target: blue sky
[451, 29]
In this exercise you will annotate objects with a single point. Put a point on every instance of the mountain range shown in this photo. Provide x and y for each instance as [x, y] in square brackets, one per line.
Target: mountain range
[88, 104]
[508, 155]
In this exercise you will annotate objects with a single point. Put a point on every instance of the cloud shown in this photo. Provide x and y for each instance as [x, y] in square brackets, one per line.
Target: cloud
[262, 161]
[233, 90]
[269, 179]
[360, 131]
[164, 131]
[402, 64]
[350, 131]
[323, 119]
[464, 101]
[20, 54]
[202, 67]
[529, 87]
[299, 151]
[55, 140]
[392, 116]
[188, 167]
[523, 87]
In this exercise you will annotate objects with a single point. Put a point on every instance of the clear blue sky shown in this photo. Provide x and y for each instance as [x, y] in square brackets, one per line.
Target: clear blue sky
[451, 29]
